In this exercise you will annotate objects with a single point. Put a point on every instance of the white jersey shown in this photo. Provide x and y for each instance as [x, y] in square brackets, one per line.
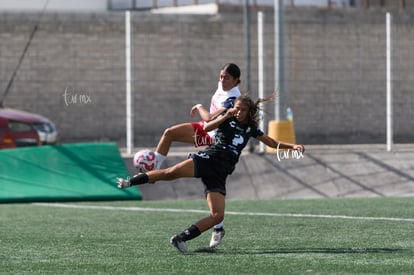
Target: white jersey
[223, 98]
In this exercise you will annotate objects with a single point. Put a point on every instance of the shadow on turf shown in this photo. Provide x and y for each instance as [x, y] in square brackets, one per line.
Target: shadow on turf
[302, 250]
[206, 250]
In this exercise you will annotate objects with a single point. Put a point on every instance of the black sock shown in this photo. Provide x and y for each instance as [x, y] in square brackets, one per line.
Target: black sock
[190, 233]
[139, 179]
[218, 229]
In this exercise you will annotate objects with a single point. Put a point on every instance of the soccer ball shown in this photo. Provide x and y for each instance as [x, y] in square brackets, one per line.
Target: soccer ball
[144, 160]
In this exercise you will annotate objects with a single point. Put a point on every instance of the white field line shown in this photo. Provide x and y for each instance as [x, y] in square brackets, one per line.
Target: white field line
[150, 209]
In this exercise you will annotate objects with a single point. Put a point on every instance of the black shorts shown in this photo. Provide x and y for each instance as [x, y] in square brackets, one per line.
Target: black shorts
[213, 172]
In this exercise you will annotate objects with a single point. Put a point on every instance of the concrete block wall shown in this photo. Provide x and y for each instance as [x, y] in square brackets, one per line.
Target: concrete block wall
[74, 71]
[336, 64]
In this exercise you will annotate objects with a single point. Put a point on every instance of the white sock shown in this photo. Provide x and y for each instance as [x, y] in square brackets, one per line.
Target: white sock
[219, 225]
[160, 159]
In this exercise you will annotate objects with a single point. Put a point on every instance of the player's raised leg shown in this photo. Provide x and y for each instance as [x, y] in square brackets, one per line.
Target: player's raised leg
[184, 169]
[182, 133]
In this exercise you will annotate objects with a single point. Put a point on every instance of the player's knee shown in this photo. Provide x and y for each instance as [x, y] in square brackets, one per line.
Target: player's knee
[171, 173]
[169, 133]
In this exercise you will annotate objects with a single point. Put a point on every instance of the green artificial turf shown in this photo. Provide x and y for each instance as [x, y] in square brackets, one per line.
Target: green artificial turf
[322, 236]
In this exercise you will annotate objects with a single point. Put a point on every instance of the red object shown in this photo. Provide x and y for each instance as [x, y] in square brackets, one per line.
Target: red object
[17, 128]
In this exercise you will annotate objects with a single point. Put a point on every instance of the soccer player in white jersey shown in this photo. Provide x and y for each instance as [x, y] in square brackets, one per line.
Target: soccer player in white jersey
[194, 133]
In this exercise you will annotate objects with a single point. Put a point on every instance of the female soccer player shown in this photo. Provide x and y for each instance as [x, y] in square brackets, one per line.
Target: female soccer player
[215, 163]
[194, 133]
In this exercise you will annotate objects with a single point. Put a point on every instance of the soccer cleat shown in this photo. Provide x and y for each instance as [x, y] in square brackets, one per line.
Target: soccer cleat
[216, 237]
[123, 183]
[179, 243]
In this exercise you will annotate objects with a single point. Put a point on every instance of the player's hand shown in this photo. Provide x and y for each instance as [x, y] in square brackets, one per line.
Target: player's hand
[299, 147]
[231, 112]
[194, 110]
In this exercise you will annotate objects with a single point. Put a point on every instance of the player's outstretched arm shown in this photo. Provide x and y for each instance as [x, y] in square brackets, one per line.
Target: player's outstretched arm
[280, 144]
[204, 113]
[213, 124]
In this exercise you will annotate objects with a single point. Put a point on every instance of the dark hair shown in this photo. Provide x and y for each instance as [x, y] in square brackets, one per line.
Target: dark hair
[254, 108]
[232, 69]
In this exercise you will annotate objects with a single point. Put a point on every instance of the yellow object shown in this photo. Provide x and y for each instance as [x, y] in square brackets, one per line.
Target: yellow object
[282, 131]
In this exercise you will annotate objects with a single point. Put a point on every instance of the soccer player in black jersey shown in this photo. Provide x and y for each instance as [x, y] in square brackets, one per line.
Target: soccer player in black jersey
[215, 163]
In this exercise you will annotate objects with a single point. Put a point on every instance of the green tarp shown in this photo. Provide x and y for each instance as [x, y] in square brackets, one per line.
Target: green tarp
[70, 172]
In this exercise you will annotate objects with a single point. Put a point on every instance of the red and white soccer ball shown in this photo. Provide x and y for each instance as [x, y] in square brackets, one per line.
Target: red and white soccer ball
[144, 160]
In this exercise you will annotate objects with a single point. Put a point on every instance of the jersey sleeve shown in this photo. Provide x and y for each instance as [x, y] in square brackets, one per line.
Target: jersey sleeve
[257, 133]
[229, 102]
